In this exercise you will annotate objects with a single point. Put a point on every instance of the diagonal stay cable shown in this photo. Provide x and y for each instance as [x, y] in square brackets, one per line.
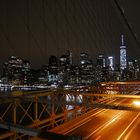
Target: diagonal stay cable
[126, 22]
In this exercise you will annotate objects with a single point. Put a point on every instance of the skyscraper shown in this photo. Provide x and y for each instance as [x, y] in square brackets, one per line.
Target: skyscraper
[110, 62]
[83, 58]
[101, 60]
[123, 61]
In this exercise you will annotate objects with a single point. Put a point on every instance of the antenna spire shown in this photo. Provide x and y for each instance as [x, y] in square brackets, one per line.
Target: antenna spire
[122, 40]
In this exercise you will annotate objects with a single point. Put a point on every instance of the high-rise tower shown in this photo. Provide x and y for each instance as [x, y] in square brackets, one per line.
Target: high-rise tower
[101, 60]
[123, 61]
[110, 62]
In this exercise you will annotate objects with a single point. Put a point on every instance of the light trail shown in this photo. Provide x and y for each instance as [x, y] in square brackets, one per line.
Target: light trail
[80, 124]
[128, 126]
[104, 125]
[87, 118]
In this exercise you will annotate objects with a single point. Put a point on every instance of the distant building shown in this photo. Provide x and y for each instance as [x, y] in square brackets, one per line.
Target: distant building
[63, 60]
[69, 58]
[53, 62]
[86, 70]
[66, 59]
[12, 70]
[65, 69]
[26, 69]
[101, 60]
[111, 62]
[53, 70]
[83, 58]
[134, 68]
[43, 75]
[123, 60]
[16, 70]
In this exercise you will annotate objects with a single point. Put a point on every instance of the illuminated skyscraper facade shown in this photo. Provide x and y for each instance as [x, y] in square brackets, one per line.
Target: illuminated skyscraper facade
[111, 63]
[101, 60]
[123, 61]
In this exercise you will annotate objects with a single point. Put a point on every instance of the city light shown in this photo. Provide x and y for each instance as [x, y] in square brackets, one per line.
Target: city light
[136, 103]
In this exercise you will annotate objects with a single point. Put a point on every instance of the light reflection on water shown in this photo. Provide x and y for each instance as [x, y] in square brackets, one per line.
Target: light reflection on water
[69, 98]
[69, 107]
[72, 98]
[5, 90]
[8, 90]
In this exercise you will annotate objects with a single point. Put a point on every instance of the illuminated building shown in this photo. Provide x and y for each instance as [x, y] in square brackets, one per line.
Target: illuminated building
[123, 61]
[66, 59]
[17, 70]
[86, 70]
[64, 69]
[83, 58]
[111, 63]
[135, 67]
[101, 60]
[26, 68]
[53, 70]
[43, 75]
[63, 60]
[69, 57]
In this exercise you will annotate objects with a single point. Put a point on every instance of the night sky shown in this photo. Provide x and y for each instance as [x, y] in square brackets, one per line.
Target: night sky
[36, 29]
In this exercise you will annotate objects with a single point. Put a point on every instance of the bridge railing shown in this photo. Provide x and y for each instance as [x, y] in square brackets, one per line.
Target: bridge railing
[46, 110]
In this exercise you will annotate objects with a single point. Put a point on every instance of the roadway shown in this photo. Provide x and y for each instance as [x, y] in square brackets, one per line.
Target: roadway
[107, 124]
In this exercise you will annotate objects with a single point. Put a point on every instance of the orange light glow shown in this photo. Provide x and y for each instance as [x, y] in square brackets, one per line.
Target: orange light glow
[137, 103]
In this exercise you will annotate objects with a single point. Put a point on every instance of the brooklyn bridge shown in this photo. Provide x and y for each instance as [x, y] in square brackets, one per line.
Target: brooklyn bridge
[109, 109]
[79, 113]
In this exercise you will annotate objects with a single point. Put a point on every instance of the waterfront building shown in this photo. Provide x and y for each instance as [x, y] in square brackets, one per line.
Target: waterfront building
[16, 71]
[26, 69]
[43, 75]
[13, 70]
[53, 70]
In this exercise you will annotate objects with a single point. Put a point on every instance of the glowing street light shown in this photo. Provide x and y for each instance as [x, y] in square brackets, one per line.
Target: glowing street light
[136, 103]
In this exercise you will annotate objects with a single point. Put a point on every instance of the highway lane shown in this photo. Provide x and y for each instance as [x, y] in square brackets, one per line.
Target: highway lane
[86, 117]
[132, 130]
[95, 123]
[104, 124]
[108, 124]
[114, 129]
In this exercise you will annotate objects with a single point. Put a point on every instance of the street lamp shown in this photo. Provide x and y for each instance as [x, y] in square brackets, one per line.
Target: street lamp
[136, 103]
